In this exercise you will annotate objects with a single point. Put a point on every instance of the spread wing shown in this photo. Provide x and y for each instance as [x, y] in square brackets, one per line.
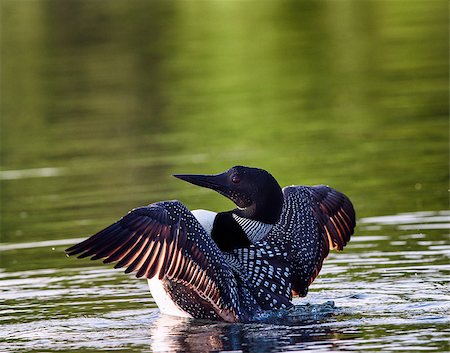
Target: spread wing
[335, 217]
[314, 220]
[165, 240]
[285, 262]
[335, 214]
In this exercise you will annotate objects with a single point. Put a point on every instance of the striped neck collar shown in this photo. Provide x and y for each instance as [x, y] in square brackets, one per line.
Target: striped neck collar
[254, 230]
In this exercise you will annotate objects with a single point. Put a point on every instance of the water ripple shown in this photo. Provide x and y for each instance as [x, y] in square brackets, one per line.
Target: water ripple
[389, 289]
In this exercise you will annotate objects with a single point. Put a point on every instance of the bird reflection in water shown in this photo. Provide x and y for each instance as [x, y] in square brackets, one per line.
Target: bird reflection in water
[299, 326]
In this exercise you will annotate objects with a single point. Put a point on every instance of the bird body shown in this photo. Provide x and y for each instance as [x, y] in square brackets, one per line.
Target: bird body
[229, 265]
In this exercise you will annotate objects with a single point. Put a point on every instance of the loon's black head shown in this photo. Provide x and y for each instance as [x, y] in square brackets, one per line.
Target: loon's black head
[255, 191]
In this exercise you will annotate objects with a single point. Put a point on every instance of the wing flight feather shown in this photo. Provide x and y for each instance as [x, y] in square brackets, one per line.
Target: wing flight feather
[165, 240]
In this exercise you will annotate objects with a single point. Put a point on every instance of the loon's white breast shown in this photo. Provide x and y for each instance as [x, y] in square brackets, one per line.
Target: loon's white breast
[165, 304]
[206, 219]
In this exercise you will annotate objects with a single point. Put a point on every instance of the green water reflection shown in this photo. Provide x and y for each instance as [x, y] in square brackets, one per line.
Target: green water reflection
[119, 95]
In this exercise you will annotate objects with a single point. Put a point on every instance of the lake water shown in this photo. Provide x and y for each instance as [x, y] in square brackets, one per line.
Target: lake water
[101, 102]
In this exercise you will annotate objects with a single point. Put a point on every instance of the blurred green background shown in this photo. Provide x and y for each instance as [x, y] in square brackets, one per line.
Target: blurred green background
[101, 101]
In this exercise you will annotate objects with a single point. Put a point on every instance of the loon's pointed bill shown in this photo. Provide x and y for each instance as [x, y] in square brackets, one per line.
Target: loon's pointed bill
[216, 182]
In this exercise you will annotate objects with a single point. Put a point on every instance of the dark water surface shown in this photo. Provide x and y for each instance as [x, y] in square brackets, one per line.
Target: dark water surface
[102, 101]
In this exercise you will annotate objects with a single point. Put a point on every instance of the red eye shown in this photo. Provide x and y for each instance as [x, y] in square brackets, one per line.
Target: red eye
[235, 179]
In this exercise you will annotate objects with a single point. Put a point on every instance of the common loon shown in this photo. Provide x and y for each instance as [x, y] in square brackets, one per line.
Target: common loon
[230, 265]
